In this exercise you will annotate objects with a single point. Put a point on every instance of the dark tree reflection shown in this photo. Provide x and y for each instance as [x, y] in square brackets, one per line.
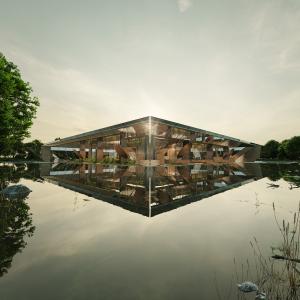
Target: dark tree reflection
[15, 220]
[12, 173]
[288, 172]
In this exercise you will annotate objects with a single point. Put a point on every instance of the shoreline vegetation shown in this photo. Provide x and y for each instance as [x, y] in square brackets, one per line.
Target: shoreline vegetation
[17, 110]
[275, 271]
[288, 149]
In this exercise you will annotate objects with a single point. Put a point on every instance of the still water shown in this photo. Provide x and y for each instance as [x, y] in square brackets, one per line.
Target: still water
[132, 232]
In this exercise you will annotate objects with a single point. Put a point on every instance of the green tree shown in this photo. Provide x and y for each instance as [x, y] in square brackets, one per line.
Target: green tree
[282, 150]
[28, 151]
[270, 149]
[17, 107]
[292, 148]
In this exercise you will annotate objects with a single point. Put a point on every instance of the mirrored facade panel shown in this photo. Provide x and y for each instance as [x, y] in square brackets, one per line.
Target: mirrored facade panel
[152, 141]
[150, 190]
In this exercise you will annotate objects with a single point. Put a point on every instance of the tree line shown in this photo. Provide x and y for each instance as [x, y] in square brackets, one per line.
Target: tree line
[287, 149]
[18, 109]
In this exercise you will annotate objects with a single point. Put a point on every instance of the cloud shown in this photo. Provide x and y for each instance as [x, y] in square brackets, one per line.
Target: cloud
[276, 37]
[70, 99]
[184, 5]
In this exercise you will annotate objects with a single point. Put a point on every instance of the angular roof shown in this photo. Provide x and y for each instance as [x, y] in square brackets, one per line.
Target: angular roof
[98, 132]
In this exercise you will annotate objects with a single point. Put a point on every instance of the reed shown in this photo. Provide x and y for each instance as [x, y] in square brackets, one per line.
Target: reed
[278, 274]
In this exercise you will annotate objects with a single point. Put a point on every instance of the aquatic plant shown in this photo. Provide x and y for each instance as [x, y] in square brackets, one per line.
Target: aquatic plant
[278, 274]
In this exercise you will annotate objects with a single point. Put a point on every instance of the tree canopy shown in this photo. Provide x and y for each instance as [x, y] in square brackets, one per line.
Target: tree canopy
[17, 107]
[292, 148]
[287, 149]
[28, 151]
[270, 149]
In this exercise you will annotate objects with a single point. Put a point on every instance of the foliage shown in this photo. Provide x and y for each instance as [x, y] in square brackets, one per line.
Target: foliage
[276, 274]
[287, 149]
[29, 151]
[112, 160]
[288, 172]
[15, 217]
[17, 107]
[25, 151]
[65, 155]
[270, 149]
[292, 148]
[109, 160]
[12, 173]
[15, 224]
[281, 149]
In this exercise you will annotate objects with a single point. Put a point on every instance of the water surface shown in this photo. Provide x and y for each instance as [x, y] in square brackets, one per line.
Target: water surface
[129, 232]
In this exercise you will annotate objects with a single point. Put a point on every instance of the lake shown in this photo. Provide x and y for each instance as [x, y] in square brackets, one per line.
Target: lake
[94, 231]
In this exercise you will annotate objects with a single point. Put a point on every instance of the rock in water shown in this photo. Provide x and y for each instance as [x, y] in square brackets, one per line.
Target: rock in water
[247, 287]
[17, 191]
[261, 296]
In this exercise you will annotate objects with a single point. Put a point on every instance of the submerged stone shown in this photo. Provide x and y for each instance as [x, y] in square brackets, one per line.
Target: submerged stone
[247, 287]
[16, 191]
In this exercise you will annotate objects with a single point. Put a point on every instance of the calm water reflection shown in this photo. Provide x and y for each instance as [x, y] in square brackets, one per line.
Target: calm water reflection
[150, 190]
[157, 241]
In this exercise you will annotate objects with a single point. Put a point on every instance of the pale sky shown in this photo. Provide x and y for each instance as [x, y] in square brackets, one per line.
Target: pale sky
[232, 67]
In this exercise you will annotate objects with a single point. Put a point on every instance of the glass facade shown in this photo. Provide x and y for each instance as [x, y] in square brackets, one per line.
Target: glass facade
[150, 190]
[156, 141]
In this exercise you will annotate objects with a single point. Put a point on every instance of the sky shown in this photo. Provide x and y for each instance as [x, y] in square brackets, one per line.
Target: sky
[232, 67]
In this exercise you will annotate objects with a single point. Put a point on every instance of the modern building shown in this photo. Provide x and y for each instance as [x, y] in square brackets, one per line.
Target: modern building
[153, 141]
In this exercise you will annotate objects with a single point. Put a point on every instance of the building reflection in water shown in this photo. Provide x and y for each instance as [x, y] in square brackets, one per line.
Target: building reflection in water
[150, 190]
